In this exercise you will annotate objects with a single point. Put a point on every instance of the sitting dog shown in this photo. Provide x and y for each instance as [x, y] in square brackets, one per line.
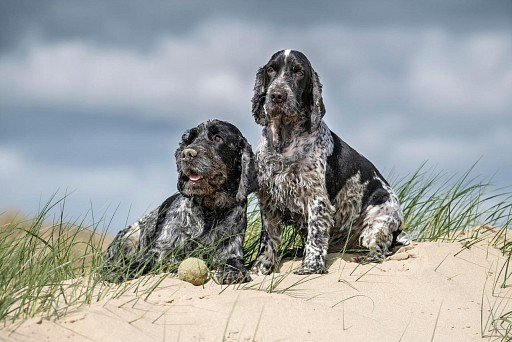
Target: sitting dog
[310, 178]
[216, 173]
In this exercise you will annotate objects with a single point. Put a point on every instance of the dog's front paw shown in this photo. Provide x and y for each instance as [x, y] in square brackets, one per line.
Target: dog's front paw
[233, 272]
[229, 276]
[309, 269]
[371, 257]
[262, 268]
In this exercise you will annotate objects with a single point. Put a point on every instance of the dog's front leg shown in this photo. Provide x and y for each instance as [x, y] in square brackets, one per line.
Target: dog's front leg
[229, 257]
[319, 222]
[227, 237]
[271, 227]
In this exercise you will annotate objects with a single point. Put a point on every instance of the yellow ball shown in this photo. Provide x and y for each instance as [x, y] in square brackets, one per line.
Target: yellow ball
[194, 271]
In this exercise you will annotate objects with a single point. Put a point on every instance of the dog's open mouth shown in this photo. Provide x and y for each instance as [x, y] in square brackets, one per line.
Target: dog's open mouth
[194, 177]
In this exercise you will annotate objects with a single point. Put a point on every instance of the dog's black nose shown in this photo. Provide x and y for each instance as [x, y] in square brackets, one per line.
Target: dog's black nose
[188, 152]
[278, 96]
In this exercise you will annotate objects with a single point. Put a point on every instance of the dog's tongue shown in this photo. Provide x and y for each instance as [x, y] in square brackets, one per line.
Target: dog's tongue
[194, 177]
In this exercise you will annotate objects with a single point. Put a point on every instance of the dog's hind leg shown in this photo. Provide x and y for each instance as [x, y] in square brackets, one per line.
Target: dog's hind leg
[121, 252]
[381, 226]
[127, 246]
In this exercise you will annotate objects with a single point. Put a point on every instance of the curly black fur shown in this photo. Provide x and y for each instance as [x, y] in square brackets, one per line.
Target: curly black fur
[216, 173]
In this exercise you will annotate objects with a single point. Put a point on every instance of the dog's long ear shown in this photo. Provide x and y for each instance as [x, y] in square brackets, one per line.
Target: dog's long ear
[248, 174]
[258, 99]
[317, 110]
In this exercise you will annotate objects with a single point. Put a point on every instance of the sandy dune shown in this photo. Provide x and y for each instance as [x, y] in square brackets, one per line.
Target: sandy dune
[433, 290]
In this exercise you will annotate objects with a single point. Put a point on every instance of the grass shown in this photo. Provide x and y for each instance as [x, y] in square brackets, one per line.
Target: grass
[48, 265]
[42, 267]
[497, 323]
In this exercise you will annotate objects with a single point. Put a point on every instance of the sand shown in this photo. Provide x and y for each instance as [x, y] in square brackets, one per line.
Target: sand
[429, 291]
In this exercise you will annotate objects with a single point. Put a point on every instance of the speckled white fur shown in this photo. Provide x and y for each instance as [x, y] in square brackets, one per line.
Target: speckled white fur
[311, 179]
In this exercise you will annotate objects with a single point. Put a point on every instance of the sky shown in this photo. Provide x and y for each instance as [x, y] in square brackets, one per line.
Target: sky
[95, 95]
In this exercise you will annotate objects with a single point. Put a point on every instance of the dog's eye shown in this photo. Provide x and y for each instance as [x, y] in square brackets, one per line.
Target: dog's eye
[189, 136]
[270, 70]
[217, 138]
[185, 137]
[299, 72]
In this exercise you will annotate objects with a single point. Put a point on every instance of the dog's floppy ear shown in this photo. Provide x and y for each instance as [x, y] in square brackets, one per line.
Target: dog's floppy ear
[317, 109]
[248, 175]
[258, 99]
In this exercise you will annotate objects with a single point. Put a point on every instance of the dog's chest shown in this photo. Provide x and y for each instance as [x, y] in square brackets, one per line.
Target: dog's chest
[182, 223]
[290, 179]
[290, 184]
[186, 222]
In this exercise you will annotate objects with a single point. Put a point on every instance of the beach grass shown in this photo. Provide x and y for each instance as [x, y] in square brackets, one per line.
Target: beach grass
[49, 263]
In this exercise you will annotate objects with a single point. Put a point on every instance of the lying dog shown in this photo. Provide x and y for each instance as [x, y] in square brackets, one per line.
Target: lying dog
[310, 178]
[216, 173]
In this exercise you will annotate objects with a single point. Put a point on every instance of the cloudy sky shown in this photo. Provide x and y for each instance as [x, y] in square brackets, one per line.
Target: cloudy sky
[94, 95]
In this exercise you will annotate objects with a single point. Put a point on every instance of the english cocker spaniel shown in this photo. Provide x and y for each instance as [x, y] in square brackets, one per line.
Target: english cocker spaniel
[207, 218]
[308, 177]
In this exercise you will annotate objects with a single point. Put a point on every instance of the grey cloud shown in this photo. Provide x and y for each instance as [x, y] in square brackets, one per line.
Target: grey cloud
[419, 70]
[95, 95]
[139, 24]
[27, 185]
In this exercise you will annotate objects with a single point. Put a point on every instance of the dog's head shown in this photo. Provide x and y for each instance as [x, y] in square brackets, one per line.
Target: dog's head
[287, 96]
[215, 162]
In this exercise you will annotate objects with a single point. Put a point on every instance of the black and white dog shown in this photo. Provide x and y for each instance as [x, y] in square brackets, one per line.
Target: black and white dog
[216, 173]
[310, 178]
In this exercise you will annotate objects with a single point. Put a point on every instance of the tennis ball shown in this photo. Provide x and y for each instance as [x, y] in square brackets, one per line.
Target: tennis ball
[194, 271]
